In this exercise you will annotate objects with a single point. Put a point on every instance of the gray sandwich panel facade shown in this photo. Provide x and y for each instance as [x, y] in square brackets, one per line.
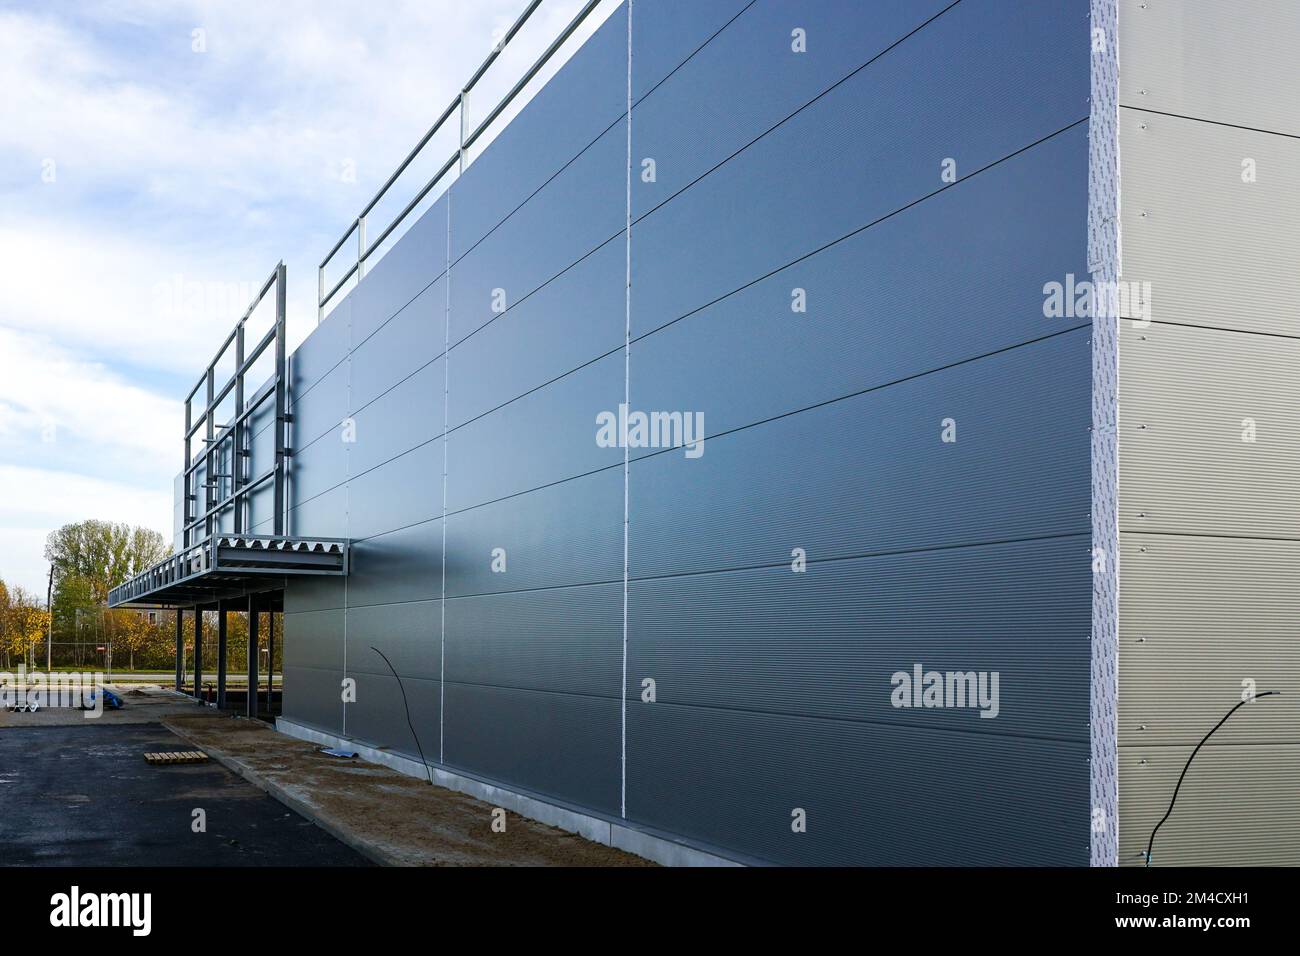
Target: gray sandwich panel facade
[489, 339]
[827, 228]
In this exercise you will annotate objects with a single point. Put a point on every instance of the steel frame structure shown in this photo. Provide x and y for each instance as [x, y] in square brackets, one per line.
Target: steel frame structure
[230, 441]
[228, 565]
[213, 565]
[365, 250]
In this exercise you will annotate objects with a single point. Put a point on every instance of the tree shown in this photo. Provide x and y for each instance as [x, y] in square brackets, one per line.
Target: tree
[22, 624]
[4, 620]
[104, 553]
[133, 631]
[90, 558]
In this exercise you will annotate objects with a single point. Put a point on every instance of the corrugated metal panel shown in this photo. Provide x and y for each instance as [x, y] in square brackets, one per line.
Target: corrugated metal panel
[314, 594]
[402, 274]
[577, 105]
[403, 345]
[320, 352]
[747, 79]
[400, 566]
[1226, 62]
[874, 795]
[563, 746]
[666, 32]
[321, 643]
[570, 533]
[1236, 807]
[407, 415]
[574, 213]
[1211, 600]
[325, 515]
[409, 633]
[910, 295]
[379, 715]
[402, 492]
[1190, 398]
[318, 468]
[544, 437]
[822, 480]
[1199, 616]
[880, 142]
[1217, 251]
[319, 411]
[825, 643]
[565, 324]
[311, 695]
[555, 640]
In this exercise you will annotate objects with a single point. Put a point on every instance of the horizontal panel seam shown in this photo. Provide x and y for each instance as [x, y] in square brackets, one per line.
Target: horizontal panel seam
[1224, 328]
[838, 83]
[722, 434]
[735, 569]
[1210, 122]
[695, 311]
[1224, 537]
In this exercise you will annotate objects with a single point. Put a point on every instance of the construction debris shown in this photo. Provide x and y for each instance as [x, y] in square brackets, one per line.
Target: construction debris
[180, 756]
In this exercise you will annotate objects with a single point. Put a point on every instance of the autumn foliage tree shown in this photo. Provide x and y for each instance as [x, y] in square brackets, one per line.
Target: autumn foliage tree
[90, 558]
[23, 623]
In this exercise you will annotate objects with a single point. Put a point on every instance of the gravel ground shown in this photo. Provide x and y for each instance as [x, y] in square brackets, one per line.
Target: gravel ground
[402, 820]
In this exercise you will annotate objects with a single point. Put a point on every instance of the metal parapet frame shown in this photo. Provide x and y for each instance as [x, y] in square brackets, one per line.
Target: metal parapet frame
[458, 159]
[235, 436]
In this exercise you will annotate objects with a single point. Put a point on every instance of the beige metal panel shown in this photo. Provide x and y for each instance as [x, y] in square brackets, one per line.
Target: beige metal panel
[1217, 251]
[1237, 807]
[1184, 466]
[1231, 62]
[1198, 616]
[1209, 570]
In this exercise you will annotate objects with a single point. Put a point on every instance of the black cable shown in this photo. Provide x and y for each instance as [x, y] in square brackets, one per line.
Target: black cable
[407, 708]
[1152, 841]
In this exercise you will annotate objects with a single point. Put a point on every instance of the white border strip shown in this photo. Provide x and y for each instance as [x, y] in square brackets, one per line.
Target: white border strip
[627, 400]
[1104, 263]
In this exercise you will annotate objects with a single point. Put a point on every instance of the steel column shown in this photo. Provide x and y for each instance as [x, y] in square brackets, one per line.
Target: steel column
[187, 475]
[281, 413]
[253, 612]
[270, 663]
[237, 455]
[198, 652]
[180, 648]
[222, 627]
[209, 467]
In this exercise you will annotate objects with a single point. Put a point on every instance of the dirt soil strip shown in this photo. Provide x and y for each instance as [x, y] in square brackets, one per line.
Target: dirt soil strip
[388, 817]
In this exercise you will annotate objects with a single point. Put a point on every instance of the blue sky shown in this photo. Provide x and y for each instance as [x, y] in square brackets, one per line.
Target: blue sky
[157, 158]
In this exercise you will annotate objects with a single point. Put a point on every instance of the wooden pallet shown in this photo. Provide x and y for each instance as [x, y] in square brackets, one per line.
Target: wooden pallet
[182, 756]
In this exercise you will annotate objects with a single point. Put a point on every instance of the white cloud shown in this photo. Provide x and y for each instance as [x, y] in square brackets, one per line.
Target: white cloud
[34, 501]
[49, 397]
[198, 171]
